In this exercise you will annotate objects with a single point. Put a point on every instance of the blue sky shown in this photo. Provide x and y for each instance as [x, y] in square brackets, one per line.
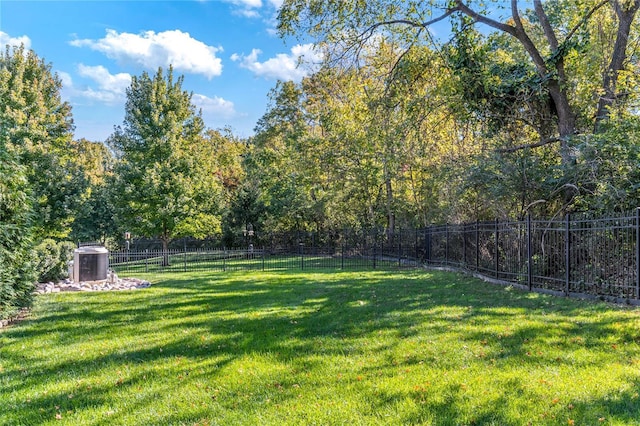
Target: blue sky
[227, 50]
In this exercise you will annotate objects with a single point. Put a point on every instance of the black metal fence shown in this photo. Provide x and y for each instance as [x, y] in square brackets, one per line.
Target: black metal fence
[574, 255]
[372, 249]
[273, 258]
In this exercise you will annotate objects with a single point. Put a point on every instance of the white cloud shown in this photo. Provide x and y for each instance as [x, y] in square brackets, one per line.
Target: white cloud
[248, 13]
[246, 3]
[152, 50]
[14, 41]
[65, 78]
[246, 8]
[284, 66]
[116, 83]
[111, 88]
[255, 8]
[214, 106]
[276, 3]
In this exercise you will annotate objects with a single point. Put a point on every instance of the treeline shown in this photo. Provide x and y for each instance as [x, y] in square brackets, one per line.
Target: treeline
[514, 112]
[398, 127]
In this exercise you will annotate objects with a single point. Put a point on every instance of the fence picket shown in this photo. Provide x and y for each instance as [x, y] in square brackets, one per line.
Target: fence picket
[567, 251]
[637, 246]
[529, 255]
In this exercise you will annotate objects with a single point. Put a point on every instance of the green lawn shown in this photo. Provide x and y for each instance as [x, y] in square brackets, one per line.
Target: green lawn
[309, 347]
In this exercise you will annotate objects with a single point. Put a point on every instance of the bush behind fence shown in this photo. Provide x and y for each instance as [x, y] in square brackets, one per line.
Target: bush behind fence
[573, 255]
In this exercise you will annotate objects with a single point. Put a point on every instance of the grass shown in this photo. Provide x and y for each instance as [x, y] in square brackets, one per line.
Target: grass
[311, 347]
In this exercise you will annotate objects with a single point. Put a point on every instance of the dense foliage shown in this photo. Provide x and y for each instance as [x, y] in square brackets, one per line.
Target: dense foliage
[481, 124]
[17, 272]
[37, 127]
[53, 259]
[37, 192]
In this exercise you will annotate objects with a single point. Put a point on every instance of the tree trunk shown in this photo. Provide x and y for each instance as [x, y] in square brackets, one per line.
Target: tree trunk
[391, 217]
[555, 85]
[566, 120]
[165, 250]
[607, 100]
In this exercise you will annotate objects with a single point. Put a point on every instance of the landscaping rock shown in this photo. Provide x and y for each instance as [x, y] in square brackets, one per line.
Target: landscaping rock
[113, 283]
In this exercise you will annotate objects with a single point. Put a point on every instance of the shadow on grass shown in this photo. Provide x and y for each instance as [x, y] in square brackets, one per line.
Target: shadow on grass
[295, 318]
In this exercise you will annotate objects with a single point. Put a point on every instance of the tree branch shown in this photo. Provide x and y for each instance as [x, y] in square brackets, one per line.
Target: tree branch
[515, 14]
[425, 24]
[485, 20]
[516, 31]
[584, 19]
[532, 145]
[618, 57]
[546, 26]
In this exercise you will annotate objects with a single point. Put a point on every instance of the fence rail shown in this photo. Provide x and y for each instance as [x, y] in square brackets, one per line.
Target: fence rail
[574, 255]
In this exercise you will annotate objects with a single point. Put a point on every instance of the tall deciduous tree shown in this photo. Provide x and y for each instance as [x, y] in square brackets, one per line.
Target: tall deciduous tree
[165, 187]
[38, 191]
[278, 161]
[36, 126]
[95, 217]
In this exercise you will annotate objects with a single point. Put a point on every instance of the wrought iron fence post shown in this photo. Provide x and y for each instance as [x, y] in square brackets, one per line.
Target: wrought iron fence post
[342, 256]
[463, 228]
[263, 250]
[446, 244]
[477, 245]
[224, 260]
[146, 260]
[427, 244]
[400, 249]
[302, 256]
[638, 253]
[529, 254]
[497, 242]
[567, 254]
[375, 237]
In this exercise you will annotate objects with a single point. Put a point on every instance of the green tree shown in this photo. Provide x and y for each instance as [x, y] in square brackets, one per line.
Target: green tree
[388, 131]
[361, 148]
[225, 153]
[39, 188]
[607, 168]
[241, 209]
[165, 187]
[36, 126]
[278, 161]
[95, 217]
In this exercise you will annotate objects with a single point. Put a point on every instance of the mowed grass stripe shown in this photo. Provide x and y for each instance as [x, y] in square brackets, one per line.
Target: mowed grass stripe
[316, 347]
